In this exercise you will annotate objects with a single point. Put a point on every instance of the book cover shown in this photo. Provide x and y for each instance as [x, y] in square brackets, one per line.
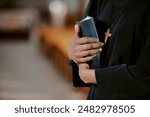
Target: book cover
[88, 28]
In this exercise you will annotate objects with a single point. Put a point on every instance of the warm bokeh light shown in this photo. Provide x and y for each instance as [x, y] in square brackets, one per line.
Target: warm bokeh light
[58, 10]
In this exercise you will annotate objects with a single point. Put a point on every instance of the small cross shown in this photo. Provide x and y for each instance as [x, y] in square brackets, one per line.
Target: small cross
[107, 35]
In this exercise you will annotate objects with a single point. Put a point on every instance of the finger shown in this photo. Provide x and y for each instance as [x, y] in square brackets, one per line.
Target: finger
[86, 59]
[91, 46]
[77, 29]
[90, 52]
[85, 40]
[84, 54]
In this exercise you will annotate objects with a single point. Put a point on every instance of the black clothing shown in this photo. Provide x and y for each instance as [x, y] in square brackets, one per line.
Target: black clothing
[124, 71]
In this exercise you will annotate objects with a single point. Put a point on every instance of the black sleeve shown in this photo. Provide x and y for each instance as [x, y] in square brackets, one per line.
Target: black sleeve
[131, 81]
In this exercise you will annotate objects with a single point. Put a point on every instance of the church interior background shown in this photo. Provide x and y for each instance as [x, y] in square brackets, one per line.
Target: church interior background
[34, 37]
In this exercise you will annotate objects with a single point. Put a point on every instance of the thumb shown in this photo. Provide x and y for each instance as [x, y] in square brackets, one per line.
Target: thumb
[77, 29]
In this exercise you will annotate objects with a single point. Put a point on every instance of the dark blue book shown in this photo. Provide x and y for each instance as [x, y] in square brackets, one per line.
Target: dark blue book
[88, 29]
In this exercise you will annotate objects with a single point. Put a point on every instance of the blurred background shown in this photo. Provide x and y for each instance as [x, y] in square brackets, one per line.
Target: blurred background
[34, 38]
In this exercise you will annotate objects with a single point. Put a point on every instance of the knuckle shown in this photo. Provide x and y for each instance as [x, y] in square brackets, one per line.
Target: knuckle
[76, 40]
[93, 52]
[86, 40]
[88, 52]
[89, 46]
[96, 45]
[76, 48]
[76, 55]
[92, 45]
[93, 40]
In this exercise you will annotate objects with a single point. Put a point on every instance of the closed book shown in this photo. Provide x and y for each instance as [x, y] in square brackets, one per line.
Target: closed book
[88, 29]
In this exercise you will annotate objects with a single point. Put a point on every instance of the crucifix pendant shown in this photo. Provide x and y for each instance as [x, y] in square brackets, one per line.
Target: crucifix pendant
[107, 35]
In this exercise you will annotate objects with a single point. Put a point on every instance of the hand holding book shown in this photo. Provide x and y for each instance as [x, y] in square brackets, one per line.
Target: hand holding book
[83, 49]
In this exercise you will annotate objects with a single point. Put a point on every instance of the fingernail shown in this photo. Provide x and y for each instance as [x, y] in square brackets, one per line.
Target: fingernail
[100, 49]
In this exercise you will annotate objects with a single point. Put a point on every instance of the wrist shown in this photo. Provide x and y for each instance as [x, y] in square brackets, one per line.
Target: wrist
[91, 76]
[87, 75]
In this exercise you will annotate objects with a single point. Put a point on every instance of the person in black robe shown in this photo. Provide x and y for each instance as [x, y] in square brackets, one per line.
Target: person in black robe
[124, 66]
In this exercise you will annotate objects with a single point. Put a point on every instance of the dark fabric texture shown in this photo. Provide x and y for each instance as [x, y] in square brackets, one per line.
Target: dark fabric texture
[124, 71]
